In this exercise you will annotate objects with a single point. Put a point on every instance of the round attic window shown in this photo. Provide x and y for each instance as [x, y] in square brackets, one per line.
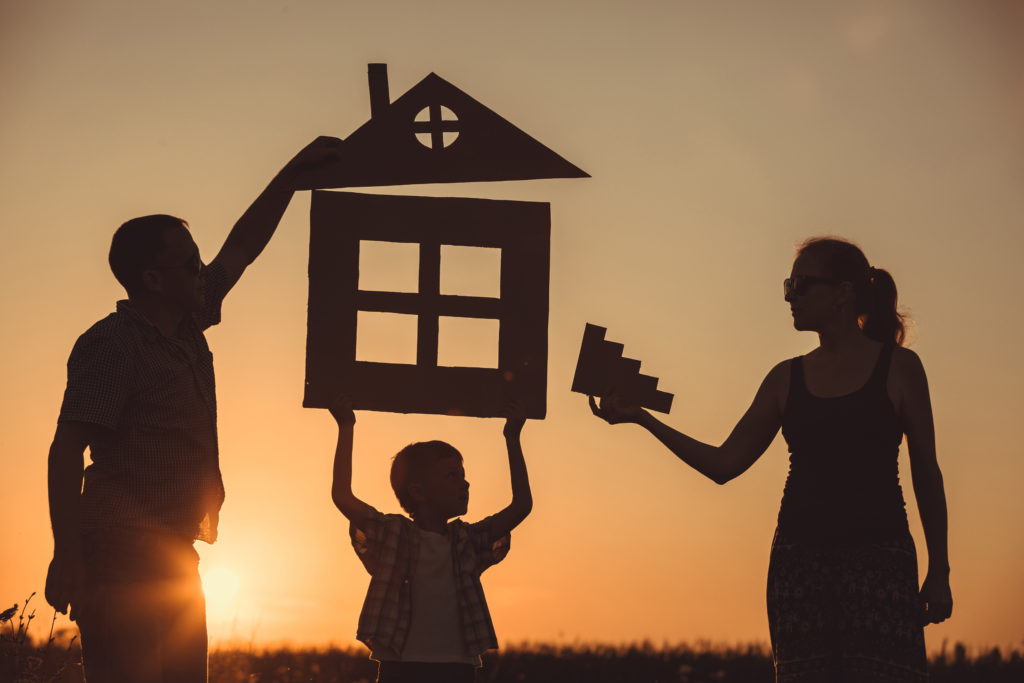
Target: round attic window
[436, 126]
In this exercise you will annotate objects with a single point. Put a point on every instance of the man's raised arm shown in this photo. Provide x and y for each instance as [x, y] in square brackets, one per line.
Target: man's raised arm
[254, 229]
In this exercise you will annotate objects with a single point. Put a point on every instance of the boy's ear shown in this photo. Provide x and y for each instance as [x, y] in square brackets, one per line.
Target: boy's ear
[416, 492]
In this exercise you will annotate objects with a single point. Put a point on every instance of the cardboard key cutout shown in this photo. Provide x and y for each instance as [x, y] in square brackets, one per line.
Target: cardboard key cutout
[601, 369]
[434, 133]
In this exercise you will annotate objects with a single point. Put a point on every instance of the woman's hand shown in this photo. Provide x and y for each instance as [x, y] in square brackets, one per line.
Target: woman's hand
[615, 410]
[936, 597]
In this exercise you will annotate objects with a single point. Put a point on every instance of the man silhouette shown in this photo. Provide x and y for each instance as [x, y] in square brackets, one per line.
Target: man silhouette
[140, 395]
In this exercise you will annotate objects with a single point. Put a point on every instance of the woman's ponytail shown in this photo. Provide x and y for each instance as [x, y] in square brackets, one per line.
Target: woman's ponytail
[874, 288]
[882, 320]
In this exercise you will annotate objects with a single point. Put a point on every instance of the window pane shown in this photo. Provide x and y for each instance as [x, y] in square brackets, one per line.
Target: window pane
[467, 342]
[389, 266]
[386, 337]
[471, 271]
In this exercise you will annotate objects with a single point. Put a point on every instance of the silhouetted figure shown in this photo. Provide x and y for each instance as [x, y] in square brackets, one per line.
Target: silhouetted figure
[425, 618]
[843, 599]
[140, 395]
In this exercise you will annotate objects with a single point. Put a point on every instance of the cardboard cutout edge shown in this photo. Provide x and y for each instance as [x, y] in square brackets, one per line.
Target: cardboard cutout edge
[396, 147]
[339, 221]
[601, 368]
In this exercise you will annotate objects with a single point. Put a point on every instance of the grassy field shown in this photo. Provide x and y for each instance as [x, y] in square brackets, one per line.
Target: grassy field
[57, 659]
[535, 664]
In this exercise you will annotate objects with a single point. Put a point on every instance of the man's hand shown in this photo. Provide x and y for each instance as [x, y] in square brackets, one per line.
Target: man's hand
[64, 582]
[614, 410]
[341, 410]
[323, 150]
[252, 232]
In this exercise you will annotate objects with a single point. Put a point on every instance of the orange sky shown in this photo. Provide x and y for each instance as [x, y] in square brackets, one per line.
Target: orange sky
[718, 135]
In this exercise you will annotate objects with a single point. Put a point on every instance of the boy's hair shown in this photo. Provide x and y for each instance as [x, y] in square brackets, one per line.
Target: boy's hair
[410, 465]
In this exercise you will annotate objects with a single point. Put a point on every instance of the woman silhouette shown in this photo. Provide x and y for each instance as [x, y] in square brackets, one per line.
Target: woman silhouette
[843, 599]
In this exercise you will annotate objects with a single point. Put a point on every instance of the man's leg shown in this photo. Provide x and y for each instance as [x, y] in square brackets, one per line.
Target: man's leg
[184, 641]
[144, 617]
[120, 635]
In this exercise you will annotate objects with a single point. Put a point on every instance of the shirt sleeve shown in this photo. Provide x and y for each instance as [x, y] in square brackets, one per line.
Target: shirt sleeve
[214, 290]
[99, 380]
[370, 532]
[488, 551]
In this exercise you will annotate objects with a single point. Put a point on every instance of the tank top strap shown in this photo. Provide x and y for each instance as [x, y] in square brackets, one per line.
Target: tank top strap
[880, 375]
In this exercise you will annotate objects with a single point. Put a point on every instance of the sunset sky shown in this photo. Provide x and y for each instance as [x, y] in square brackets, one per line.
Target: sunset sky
[718, 136]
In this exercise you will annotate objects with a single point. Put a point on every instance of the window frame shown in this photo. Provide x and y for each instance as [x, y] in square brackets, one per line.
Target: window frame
[521, 230]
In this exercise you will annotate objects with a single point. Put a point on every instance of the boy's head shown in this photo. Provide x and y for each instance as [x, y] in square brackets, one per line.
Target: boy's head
[430, 473]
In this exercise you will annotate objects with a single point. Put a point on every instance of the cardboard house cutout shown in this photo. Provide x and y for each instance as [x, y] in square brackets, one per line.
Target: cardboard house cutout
[601, 368]
[434, 133]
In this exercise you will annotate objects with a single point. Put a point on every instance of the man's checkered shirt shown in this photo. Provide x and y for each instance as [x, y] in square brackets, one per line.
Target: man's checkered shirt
[157, 468]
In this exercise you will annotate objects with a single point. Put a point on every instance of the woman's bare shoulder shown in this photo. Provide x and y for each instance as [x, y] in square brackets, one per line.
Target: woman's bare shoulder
[776, 382]
[907, 380]
[906, 364]
[780, 371]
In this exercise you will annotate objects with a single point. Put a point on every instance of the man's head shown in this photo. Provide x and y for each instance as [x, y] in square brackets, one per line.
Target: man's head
[155, 256]
[430, 473]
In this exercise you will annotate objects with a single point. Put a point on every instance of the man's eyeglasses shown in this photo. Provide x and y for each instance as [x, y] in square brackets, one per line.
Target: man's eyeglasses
[194, 264]
[799, 284]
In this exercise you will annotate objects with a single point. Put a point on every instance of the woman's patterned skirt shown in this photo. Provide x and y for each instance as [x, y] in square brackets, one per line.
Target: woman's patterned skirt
[845, 612]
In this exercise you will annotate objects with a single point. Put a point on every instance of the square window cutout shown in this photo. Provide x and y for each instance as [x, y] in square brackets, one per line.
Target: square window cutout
[471, 271]
[386, 337]
[389, 266]
[467, 342]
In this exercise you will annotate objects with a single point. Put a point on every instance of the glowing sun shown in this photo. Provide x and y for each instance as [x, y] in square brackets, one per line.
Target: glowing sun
[221, 587]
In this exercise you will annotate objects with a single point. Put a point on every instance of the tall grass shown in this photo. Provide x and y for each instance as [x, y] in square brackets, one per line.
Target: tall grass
[639, 663]
[57, 659]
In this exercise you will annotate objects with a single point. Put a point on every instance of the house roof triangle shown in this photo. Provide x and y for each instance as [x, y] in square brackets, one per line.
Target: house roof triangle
[435, 133]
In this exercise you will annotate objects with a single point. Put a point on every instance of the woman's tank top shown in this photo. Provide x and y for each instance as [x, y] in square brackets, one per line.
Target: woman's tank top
[843, 484]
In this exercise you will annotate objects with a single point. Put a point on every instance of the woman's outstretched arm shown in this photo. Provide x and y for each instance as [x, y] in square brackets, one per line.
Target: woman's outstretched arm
[915, 409]
[749, 439]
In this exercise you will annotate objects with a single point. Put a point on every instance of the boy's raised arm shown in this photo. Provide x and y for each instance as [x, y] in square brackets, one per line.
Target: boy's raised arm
[522, 499]
[341, 489]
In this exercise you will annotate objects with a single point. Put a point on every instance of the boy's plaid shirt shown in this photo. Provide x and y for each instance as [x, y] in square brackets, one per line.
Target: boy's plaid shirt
[388, 546]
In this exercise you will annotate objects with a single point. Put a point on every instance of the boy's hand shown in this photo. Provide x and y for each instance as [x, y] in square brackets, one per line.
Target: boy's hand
[341, 410]
[515, 418]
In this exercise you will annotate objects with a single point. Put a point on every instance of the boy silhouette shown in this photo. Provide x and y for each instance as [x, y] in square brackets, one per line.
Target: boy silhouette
[425, 617]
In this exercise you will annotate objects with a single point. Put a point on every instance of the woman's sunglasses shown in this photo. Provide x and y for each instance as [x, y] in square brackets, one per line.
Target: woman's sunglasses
[799, 284]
